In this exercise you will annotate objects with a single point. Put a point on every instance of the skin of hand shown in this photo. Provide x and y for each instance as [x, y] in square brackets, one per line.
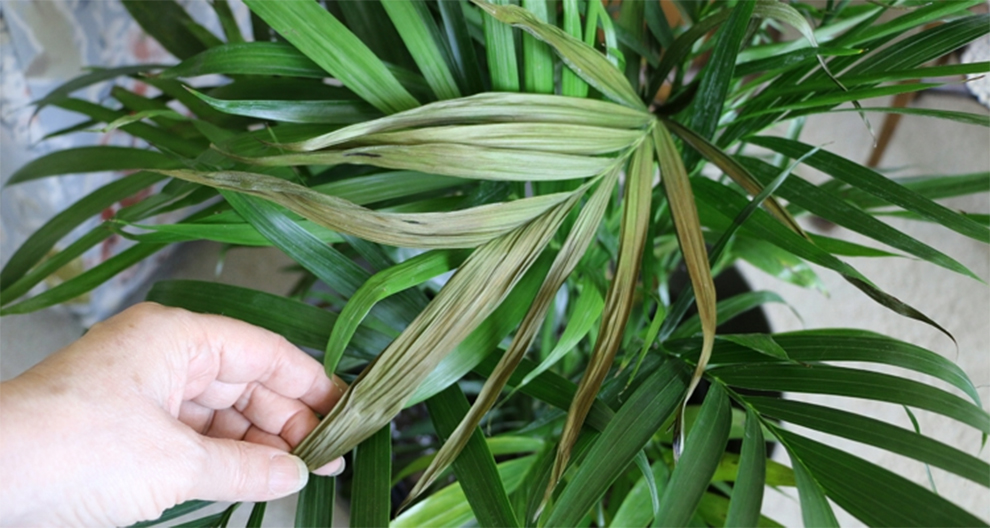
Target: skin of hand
[154, 407]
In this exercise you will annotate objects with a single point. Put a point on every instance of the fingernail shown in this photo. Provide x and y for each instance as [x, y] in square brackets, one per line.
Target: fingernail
[287, 474]
[332, 469]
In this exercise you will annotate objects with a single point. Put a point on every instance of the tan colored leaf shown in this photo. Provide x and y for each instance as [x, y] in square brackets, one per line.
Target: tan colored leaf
[618, 303]
[685, 214]
[499, 107]
[560, 138]
[454, 229]
[450, 159]
[477, 288]
[570, 254]
[734, 170]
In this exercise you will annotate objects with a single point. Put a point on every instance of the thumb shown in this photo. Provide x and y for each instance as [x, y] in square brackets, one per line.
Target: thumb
[242, 471]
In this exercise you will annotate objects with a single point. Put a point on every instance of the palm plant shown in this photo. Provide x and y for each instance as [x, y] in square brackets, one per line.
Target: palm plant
[382, 145]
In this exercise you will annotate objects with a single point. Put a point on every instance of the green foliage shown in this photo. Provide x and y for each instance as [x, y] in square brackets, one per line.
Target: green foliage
[373, 128]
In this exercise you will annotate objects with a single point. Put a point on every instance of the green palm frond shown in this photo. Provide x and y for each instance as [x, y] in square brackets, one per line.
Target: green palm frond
[557, 158]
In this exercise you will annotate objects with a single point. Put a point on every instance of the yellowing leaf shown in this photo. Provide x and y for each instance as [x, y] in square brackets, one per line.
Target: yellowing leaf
[618, 303]
[477, 288]
[454, 229]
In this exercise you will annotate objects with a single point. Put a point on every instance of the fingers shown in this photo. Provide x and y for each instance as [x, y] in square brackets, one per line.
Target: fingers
[253, 404]
[235, 352]
[215, 357]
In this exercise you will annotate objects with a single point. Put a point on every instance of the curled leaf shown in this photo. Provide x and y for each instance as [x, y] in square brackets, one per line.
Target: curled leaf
[454, 229]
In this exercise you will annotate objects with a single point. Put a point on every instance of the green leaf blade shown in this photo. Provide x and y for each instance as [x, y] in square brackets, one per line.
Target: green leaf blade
[326, 41]
[641, 415]
[873, 494]
[855, 383]
[747, 493]
[371, 502]
[702, 451]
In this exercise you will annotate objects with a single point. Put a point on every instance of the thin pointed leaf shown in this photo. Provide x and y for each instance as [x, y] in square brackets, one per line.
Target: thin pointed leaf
[871, 79]
[322, 38]
[257, 517]
[634, 510]
[324, 112]
[727, 309]
[500, 48]
[488, 108]
[959, 117]
[815, 509]
[587, 310]
[875, 495]
[449, 506]
[618, 303]
[387, 282]
[228, 22]
[734, 170]
[174, 512]
[854, 383]
[651, 484]
[168, 23]
[381, 390]
[464, 228]
[570, 254]
[682, 46]
[249, 58]
[34, 249]
[537, 59]
[88, 79]
[850, 345]
[860, 345]
[158, 137]
[571, 84]
[706, 108]
[645, 411]
[716, 197]
[217, 520]
[450, 159]
[802, 193]
[931, 187]
[371, 504]
[422, 37]
[172, 197]
[677, 187]
[747, 493]
[463, 56]
[369, 21]
[137, 117]
[314, 507]
[926, 45]
[762, 343]
[702, 450]
[498, 445]
[878, 185]
[714, 510]
[474, 465]
[581, 58]
[877, 433]
[86, 281]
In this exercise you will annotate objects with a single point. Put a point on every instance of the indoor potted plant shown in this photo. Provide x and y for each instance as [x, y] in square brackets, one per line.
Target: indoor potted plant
[381, 145]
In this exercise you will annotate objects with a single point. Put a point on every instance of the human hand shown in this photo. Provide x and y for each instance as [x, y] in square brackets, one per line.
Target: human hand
[154, 407]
